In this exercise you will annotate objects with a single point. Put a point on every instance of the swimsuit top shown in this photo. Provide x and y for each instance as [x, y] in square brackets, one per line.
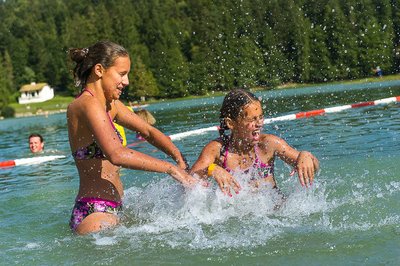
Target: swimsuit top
[93, 151]
[257, 170]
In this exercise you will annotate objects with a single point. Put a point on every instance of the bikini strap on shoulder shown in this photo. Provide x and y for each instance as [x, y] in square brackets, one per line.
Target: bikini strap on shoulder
[256, 154]
[224, 151]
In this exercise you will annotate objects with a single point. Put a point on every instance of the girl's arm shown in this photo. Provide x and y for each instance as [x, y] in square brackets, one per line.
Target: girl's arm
[207, 165]
[305, 163]
[130, 120]
[99, 124]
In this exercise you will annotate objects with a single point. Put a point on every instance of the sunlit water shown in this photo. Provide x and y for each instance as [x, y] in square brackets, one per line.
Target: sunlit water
[351, 214]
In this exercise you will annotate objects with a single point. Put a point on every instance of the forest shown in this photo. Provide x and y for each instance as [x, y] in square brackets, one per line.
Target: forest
[192, 47]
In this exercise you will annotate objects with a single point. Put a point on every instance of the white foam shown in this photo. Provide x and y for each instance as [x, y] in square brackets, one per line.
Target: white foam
[101, 240]
[205, 218]
[32, 245]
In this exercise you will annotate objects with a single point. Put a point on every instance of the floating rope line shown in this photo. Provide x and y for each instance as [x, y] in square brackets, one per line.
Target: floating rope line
[294, 116]
[29, 161]
[37, 160]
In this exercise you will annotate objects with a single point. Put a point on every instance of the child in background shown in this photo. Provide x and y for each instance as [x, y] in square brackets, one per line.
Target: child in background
[147, 117]
[247, 152]
[144, 115]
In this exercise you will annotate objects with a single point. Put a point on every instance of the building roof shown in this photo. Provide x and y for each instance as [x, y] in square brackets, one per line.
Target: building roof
[32, 87]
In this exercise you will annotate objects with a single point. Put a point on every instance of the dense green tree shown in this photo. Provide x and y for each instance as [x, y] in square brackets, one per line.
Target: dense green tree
[167, 61]
[186, 47]
[373, 49]
[125, 29]
[242, 44]
[142, 82]
[385, 28]
[4, 90]
[7, 90]
[9, 73]
[275, 60]
[320, 64]
[203, 71]
[341, 41]
[396, 34]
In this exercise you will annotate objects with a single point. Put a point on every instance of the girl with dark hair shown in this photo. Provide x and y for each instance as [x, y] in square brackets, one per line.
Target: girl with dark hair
[247, 152]
[102, 72]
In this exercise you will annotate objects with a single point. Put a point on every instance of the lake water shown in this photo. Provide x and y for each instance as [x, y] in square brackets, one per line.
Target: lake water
[350, 216]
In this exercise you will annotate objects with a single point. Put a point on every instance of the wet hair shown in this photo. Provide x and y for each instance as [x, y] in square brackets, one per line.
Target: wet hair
[35, 135]
[146, 116]
[232, 106]
[102, 52]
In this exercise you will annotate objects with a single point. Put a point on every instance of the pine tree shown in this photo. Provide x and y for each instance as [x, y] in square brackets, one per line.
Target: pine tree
[396, 34]
[373, 51]
[242, 44]
[4, 92]
[341, 41]
[7, 90]
[9, 74]
[143, 83]
[167, 61]
[320, 65]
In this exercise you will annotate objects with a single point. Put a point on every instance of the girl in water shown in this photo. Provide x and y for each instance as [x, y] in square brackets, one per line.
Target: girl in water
[246, 151]
[102, 72]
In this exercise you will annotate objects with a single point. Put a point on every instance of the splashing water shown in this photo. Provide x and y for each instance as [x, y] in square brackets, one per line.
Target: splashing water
[350, 215]
[203, 218]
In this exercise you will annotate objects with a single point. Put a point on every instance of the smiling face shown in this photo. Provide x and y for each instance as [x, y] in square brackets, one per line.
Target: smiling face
[115, 78]
[35, 145]
[247, 127]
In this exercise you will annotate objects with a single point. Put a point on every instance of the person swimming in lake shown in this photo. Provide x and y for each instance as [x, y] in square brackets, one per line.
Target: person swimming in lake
[246, 151]
[36, 143]
[147, 117]
[102, 72]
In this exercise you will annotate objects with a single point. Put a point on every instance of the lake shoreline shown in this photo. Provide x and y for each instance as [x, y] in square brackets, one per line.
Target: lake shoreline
[289, 85]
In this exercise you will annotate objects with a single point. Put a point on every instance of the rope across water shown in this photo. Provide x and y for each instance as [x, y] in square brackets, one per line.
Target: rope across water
[294, 116]
[335, 109]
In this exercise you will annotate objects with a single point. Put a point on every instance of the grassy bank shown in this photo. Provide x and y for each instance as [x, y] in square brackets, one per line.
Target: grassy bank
[55, 105]
[354, 81]
[60, 103]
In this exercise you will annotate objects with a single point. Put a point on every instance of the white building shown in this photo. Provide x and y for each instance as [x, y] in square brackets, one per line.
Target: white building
[35, 93]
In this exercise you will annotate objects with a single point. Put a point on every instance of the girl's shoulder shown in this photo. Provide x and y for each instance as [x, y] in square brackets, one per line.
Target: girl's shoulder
[270, 141]
[212, 149]
[216, 143]
[84, 105]
[269, 138]
[214, 146]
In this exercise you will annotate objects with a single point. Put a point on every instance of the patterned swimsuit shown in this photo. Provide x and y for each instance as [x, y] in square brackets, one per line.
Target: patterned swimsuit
[85, 206]
[258, 170]
[93, 151]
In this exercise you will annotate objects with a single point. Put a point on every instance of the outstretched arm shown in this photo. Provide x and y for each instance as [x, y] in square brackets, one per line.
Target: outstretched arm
[130, 120]
[99, 124]
[304, 162]
[207, 165]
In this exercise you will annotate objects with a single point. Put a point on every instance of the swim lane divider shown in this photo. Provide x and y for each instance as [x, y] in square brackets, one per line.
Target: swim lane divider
[29, 161]
[36, 160]
[294, 116]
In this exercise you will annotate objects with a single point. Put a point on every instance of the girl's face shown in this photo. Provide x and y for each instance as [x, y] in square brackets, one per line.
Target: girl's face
[115, 78]
[248, 125]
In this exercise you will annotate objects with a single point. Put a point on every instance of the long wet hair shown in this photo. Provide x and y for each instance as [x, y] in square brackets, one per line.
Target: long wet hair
[234, 103]
[102, 52]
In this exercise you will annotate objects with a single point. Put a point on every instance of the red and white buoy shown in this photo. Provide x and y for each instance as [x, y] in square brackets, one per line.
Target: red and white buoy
[37, 160]
[29, 161]
[295, 116]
